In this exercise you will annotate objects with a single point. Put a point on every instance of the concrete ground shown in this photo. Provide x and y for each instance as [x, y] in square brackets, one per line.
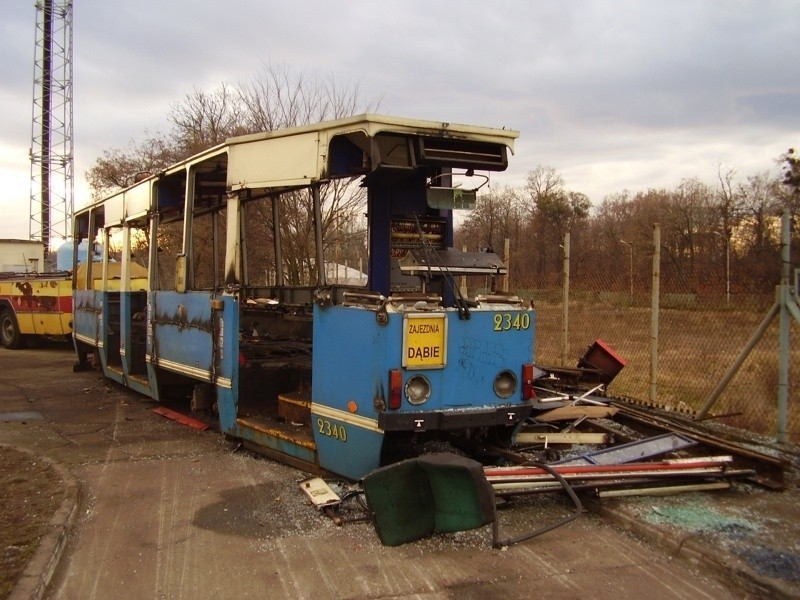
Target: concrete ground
[165, 511]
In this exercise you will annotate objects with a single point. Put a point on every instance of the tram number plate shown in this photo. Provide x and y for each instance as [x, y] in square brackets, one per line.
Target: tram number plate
[508, 321]
[325, 427]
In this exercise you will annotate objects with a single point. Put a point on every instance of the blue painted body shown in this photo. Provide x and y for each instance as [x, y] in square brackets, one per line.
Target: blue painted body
[85, 314]
[353, 354]
[183, 331]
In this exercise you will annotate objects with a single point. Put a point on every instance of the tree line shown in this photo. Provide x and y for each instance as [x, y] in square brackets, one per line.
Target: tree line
[712, 236]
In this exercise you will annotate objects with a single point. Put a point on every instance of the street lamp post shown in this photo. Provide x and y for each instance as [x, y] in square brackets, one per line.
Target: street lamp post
[630, 247]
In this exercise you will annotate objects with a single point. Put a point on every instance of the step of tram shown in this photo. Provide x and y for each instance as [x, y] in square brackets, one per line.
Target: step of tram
[295, 407]
[261, 428]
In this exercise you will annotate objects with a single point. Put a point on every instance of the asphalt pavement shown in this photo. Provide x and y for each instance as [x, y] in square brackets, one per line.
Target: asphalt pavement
[161, 510]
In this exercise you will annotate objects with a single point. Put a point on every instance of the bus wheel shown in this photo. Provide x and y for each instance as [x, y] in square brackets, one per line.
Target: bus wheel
[10, 336]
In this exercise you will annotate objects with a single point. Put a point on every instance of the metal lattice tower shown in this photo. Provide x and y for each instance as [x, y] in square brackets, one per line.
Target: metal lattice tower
[52, 163]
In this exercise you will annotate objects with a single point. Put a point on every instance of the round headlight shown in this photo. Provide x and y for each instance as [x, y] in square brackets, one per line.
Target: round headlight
[418, 389]
[505, 384]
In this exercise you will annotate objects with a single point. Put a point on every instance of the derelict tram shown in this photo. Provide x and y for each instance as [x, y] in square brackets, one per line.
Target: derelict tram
[326, 374]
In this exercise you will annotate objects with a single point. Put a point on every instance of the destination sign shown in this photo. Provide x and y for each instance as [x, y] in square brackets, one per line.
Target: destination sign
[424, 341]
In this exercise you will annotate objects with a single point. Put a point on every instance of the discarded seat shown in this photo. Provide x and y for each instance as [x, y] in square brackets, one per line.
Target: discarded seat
[463, 499]
[439, 492]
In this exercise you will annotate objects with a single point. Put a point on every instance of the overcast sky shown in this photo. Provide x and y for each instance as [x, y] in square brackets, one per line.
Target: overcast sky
[614, 94]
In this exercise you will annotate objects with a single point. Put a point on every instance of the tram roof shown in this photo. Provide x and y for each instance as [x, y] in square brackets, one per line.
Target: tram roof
[298, 156]
[372, 124]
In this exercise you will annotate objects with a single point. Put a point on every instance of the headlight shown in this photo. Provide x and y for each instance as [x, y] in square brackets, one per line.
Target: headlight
[505, 384]
[418, 389]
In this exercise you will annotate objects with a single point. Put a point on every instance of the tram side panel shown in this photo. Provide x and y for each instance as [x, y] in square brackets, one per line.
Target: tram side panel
[352, 354]
[183, 334]
[487, 345]
[87, 318]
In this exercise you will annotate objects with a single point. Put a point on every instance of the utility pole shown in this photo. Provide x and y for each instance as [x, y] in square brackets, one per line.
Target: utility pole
[51, 153]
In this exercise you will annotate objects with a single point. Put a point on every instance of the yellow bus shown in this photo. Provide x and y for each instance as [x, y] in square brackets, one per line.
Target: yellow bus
[34, 304]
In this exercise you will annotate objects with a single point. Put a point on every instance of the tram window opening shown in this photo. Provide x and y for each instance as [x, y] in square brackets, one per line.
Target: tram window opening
[260, 243]
[344, 233]
[81, 244]
[170, 246]
[89, 274]
[171, 191]
[140, 244]
[208, 249]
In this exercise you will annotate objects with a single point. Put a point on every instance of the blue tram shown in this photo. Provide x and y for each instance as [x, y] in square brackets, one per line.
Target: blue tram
[220, 281]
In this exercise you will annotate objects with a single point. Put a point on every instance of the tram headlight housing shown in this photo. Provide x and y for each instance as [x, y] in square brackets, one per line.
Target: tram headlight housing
[505, 384]
[418, 389]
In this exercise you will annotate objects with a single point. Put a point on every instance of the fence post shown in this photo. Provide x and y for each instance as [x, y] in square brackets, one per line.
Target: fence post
[783, 361]
[565, 314]
[654, 312]
[785, 305]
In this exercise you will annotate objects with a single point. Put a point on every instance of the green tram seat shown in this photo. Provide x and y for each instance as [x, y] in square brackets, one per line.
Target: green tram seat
[439, 492]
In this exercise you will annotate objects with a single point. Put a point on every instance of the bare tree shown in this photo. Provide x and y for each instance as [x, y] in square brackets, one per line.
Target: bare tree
[729, 199]
[275, 98]
[497, 216]
[204, 119]
[554, 211]
[118, 168]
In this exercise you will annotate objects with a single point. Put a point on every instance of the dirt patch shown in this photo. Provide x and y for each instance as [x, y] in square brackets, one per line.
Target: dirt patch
[30, 492]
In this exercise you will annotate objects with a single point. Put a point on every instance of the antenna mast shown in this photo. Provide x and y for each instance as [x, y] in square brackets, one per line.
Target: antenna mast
[52, 162]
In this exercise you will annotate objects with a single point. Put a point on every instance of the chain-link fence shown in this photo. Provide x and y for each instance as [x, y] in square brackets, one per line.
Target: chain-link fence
[697, 339]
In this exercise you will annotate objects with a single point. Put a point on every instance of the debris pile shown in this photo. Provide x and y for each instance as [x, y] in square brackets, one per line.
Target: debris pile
[576, 440]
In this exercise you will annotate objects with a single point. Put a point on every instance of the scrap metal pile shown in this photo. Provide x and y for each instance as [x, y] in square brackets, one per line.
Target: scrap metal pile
[577, 439]
[576, 430]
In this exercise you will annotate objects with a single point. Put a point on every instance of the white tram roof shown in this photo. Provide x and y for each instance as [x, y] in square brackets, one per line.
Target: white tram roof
[299, 156]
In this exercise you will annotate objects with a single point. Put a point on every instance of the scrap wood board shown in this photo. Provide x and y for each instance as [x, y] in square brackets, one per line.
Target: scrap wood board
[570, 413]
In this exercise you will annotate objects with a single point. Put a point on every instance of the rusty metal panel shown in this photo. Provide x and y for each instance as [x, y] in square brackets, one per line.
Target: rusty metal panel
[183, 333]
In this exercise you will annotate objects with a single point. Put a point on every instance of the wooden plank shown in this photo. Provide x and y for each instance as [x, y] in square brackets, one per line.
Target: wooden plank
[574, 437]
[665, 490]
[570, 413]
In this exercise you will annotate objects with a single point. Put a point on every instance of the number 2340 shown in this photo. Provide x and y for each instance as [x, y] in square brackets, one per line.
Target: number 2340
[325, 427]
[507, 321]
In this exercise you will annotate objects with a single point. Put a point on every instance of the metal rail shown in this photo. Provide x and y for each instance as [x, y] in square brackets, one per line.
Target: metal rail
[769, 470]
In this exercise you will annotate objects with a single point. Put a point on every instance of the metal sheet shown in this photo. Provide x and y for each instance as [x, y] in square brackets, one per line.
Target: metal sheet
[632, 451]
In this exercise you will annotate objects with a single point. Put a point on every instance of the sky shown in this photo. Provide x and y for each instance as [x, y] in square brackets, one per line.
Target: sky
[614, 94]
